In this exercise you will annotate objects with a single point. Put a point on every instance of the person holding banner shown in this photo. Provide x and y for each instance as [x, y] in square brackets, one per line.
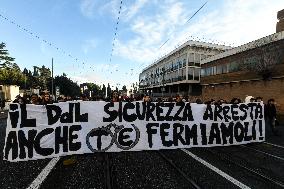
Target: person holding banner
[178, 98]
[146, 98]
[115, 97]
[46, 99]
[34, 99]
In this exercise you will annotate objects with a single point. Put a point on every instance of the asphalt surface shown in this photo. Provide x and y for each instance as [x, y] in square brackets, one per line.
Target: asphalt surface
[148, 169]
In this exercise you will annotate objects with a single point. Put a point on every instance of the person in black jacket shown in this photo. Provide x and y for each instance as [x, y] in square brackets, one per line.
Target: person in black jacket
[270, 115]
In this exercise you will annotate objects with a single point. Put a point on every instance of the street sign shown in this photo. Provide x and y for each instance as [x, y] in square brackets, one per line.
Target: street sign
[57, 91]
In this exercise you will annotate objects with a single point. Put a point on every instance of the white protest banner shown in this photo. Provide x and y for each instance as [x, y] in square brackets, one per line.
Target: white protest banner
[38, 132]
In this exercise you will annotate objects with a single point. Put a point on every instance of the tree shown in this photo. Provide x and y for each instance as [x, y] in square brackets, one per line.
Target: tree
[5, 59]
[10, 73]
[94, 88]
[108, 90]
[265, 60]
[66, 85]
[103, 90]
[44, 76]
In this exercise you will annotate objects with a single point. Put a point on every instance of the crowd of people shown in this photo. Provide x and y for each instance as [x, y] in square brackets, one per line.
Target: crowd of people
[45, 98]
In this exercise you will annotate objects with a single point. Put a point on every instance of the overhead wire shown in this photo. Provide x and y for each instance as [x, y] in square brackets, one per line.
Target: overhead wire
[115, 32]
[185, 23]
[43, 40]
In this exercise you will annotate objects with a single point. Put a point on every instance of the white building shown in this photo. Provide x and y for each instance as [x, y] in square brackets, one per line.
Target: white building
[178, 71]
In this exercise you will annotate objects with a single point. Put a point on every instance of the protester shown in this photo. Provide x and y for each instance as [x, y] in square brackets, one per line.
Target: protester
[236, 101]
[247, 98]
[60, 99]
[34, 99]
[84, 97]
[146, 98]
[46, 99]
[198, 101]
[178, 98]
[115, 97]
[252, 100]
[19, 100]
[258, 99]
[270, 115]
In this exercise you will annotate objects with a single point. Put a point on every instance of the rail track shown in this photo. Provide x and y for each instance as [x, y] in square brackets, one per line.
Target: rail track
[189, 180]
[255, 172]
[263, 152]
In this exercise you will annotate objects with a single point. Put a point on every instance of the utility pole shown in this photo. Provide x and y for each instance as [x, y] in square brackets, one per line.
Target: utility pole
[52, 77]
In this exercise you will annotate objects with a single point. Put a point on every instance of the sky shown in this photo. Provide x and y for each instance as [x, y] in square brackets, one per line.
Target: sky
[106, 41]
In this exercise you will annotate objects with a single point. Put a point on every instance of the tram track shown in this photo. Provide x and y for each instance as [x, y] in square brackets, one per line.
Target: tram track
[278, 146]
[189, 180]
[227, 158]
[263, 152]
[108, 171]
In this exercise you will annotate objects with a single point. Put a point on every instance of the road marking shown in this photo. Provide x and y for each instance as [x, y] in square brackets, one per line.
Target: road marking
[44, 173]
[215, 169]
[274, 145]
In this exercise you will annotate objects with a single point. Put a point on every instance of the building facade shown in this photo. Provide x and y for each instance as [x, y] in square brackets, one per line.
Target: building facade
[9, 92]
[254, 69]
[179, 71]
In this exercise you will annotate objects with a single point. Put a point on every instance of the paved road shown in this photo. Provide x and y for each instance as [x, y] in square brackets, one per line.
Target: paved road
[248, 166]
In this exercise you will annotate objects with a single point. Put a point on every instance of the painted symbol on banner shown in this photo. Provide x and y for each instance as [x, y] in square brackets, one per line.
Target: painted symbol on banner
[101, 139]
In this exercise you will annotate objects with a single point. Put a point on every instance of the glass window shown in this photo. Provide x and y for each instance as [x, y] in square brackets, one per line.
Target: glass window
[225, 68]
[184, 62]
[197, 58]
[233, 66]
[202, 56]
[191, 59]
[251, 62]
[203, 72]
[190, 74]
[219, 69]
[196, 74]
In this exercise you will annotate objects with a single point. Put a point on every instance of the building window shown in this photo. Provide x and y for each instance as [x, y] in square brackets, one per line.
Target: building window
[202, 56]
[233, 66]
[250, 62]
[191, 59]
[190, 74]
[210, 71]
[219, 69]
[203, 72]
[197, 58]
[196, 74]
[180, 63]
[184, 62]
[225, 68]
